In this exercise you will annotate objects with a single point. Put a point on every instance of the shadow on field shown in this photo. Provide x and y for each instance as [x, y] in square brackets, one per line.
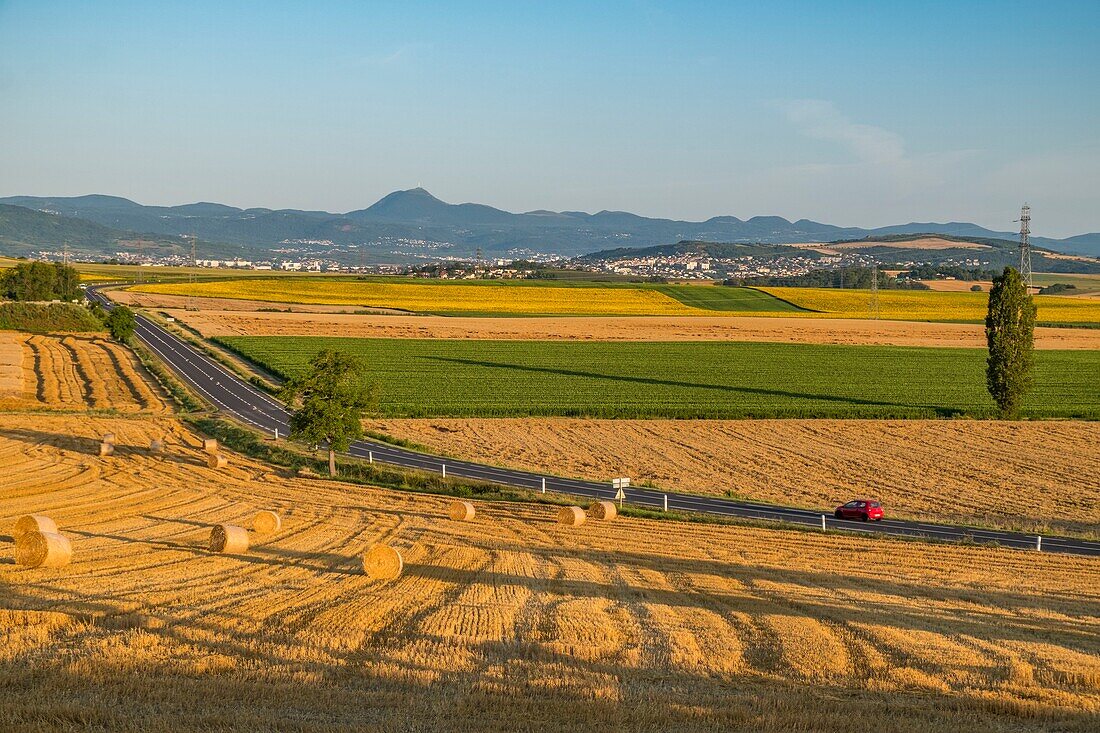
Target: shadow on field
[938, 409]
[1002, 615]
[269, 675]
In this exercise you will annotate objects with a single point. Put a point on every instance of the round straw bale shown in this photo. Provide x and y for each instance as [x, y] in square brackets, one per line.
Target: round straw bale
[382, 562]
[210, 445]
[229, 538]
[156, 446]
[106, 449]
[217, 460]
[43, 550]
[572, 516]
[462, 511]
[603, 510]
[34, 523]
[267, 522]
[109, 438]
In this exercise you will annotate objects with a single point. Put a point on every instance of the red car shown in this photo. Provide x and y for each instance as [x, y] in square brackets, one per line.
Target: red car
[864, 509]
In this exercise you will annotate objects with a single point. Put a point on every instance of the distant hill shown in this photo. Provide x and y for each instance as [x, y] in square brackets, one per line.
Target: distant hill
[887, 249]
[688, 247]
[416, 214]
[24, 230]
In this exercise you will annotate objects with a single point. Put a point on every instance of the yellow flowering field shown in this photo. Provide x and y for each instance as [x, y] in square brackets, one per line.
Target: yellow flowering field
[433, 298]
[926, 305]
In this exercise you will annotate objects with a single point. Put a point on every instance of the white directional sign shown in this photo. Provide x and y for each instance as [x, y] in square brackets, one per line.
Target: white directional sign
[620, 483]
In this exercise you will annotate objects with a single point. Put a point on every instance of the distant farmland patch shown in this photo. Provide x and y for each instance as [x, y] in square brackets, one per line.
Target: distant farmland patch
[432, 377]
[924, 305]
[513, 298]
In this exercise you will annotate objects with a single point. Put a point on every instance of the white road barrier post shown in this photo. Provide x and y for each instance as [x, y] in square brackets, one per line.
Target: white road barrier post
[370, 456]
[544, 484]
[1039, 543]
[666, 502]
[276, 433]
[822, 522]
[444, 470]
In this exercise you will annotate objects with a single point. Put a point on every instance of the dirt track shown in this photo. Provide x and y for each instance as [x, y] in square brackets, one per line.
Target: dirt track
[648, 328]
[1013, 474]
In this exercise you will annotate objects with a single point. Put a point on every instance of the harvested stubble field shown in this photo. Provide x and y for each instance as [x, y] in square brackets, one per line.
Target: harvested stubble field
[507, 622]
[212, 323]
[1031, 476]
[73, 372]
[438, 377]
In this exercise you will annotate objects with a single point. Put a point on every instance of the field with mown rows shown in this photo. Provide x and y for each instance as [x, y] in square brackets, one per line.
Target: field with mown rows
[927, 305]
[429, 377]
[509, 622]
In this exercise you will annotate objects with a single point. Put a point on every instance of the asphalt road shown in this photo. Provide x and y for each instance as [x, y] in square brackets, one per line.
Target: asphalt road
[241, 400]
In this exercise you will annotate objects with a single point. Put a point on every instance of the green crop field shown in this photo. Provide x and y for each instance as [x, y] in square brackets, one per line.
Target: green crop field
[722, 298]
[434, 377]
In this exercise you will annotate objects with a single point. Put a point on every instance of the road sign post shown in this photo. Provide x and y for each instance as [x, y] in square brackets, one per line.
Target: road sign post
[619, 484]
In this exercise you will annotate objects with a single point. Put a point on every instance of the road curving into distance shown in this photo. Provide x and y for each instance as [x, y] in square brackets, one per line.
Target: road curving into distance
[242, 401]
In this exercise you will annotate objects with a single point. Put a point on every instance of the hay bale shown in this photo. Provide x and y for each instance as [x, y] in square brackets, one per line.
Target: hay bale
[462, 511]
[109, 438]
[156, 446]
[267, 522]
[210, 445]
[572, 516]
[43, 550]
[217, 460]
[34, 523]
[603, 510]
[229, 538]
[382, 562]
[106, 449]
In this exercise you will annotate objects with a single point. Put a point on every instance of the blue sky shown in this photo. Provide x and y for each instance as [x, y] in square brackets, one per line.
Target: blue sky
[852, 113]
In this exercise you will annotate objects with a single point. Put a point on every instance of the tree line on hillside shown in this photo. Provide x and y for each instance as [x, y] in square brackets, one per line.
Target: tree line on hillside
[941, 272]
[858, 278]
[39, 281]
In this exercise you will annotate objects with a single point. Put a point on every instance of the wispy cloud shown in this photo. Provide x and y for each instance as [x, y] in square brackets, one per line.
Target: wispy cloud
[821, 120]
[402, 54]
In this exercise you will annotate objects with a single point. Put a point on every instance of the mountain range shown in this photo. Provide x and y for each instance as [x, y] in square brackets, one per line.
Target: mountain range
[412, 218]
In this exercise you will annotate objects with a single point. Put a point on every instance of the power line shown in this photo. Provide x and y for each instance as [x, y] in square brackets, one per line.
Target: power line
[191, 278]
[874, 291]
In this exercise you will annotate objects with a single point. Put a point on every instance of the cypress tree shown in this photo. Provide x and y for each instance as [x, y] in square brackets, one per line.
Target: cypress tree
[1010, 335]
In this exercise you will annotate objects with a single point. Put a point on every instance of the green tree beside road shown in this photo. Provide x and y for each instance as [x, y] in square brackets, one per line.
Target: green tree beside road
[121, 322]
[329, 402]
[1010, 335]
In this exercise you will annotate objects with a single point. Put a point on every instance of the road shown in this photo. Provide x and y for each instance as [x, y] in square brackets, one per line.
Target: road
[239, 399]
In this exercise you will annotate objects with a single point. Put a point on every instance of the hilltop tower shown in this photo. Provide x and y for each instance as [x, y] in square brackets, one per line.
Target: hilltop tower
[1025, 245]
